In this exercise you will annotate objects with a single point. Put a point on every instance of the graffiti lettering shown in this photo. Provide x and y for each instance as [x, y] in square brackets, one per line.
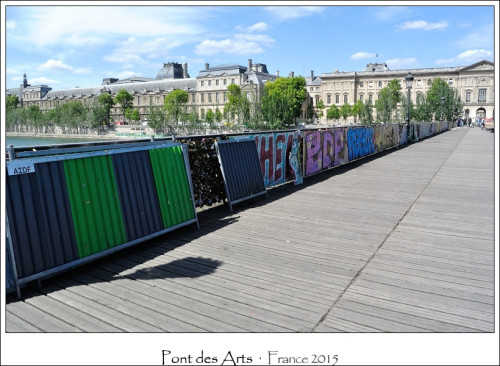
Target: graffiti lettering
[360, 142]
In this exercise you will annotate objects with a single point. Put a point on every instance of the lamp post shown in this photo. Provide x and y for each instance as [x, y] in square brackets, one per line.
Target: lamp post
[442, 106]
[409, 80]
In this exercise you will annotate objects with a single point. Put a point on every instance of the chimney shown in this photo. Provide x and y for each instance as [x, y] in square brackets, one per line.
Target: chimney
[206, 66]
[312, 75]
[292, 73]
[249, 64]
[185, 71]
[277, 73]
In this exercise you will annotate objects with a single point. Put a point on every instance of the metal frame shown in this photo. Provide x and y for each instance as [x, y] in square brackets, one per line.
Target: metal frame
[229, 200]
[83, 154]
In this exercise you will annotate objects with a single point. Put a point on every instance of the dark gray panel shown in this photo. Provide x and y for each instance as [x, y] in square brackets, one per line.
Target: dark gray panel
[241, 170]
[138, 198]
[40, 219]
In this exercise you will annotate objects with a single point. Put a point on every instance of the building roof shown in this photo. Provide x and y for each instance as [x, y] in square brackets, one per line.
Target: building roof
[155, 86]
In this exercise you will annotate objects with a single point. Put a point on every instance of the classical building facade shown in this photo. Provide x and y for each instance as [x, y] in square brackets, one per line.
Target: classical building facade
[474, 83]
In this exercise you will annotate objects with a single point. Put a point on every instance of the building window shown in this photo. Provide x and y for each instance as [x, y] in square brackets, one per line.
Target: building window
[337, 99]
[311, 88]
[202, 97]
[450, 82]
[209, 82]
[232, 81]
[345, 98]
[361, 84]
[225, 97]
[429, 82]
[224, 81]
[217, 82]
[481, 97]
[370, 84]
[317, 99]
[217, 97]
[202, 83]
[370, 97]
[209, 97]
[317, 88]
[328, 99]
[419, 82]
[467, 97]
[361, 96]
[380, 84]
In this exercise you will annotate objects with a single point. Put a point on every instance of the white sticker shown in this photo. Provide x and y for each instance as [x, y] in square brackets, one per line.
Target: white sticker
[20, 166]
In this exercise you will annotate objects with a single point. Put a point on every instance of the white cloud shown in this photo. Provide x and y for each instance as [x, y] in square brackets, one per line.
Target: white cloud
[422, 24]
[90, 25]
[474, 55]
[54, 66]
[240, 44]
[43, 80]
[467, 57]
[294, 12]
[12, 71]
[127, 74]
[83, 71]
[401, 63]
[361, 55]
[11, 24]
[257, 27]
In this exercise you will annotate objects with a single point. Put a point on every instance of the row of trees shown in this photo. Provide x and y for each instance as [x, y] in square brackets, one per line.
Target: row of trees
[392, 105]
[279, 106]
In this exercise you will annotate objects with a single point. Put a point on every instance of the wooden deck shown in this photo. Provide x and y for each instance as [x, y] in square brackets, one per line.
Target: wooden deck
[401, 242]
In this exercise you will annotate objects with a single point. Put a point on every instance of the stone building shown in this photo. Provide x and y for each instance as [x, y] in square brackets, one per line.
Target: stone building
[475, 84]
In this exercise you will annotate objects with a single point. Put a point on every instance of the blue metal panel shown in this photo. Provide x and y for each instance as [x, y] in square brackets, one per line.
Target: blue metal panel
[139, 201]
[241, 170]
[41, 224]
[10, 283]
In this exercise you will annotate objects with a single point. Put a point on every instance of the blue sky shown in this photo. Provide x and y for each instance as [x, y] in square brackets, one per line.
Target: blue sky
[68, 46]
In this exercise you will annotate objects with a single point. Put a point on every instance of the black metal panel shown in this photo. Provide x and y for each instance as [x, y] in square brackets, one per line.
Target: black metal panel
[138, 197]
[241, 170]
[40, 219]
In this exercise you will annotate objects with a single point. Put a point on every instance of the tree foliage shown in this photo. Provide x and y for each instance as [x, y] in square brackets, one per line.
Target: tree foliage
[11, 101]
[387, 101]
[282, 100]
[175, 105]
[333, 112]
[124, 99]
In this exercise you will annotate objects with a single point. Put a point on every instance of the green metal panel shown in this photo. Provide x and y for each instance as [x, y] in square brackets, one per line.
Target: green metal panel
[95, 204]
[172, 185]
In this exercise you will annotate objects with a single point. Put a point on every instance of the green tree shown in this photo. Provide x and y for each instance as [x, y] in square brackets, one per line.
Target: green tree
[218, 115]
[357, 109]
[333, 112]
[124, 99]
[97, 115]
[388, 100]
[319, 108]
[11, 101]
[210, 116]
[310, 110]
[282, 100]
[440, 89]
[345, 111]
[232, 107]
[132, 114]
[73, 114]
[156, 119]
[175, 105]
[107, 102]
[366, 115]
